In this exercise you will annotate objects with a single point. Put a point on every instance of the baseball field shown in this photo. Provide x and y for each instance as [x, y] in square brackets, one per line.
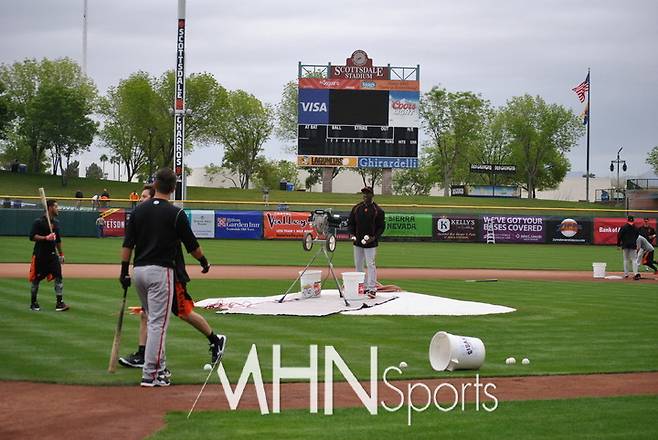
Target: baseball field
[591, 345]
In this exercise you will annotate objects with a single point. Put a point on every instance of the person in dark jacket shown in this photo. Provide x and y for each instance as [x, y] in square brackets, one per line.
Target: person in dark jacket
[366, 225]
[627, 242]
[647, 231]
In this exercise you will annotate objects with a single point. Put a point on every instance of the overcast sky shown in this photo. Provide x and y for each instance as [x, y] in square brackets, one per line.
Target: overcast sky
[499, 49]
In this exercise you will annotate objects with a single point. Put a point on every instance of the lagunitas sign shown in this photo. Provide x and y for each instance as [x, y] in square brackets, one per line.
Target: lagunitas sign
[359, 66]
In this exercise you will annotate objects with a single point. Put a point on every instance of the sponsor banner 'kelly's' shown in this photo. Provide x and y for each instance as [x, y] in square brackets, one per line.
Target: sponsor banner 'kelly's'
[460, 229]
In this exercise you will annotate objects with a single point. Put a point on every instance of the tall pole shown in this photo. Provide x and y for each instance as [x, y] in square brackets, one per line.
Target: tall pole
[589, 121]
[179, 106]
[84, 38]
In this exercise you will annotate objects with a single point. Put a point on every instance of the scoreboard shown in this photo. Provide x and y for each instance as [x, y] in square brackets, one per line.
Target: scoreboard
[358, 122]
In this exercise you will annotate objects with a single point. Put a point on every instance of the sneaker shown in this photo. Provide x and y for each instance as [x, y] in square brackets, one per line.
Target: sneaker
[166, 373]
[371, 293]
[217, 349]
[61, 307]
[135, 360]
[35, 307]
[637, 276]
[160, 381]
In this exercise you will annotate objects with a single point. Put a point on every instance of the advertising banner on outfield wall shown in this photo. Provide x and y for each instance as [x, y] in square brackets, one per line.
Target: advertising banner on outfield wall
[239, 224]
[115, 223]
[569, 231]
[202, 223]
[605, 229]
[455, 228]
[513, 229]
[408, 225]
[285, 225]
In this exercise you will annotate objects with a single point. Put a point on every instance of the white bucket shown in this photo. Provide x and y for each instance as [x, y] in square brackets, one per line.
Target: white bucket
[454, 352]
[353, 285]
[310, 283]
[599, 270]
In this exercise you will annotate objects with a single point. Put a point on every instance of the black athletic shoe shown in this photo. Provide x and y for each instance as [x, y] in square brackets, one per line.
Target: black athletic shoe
[217, 349]
[166, 373]
[370, 293]
[61, 307]
[637, 276]
[35, 307]
[160, 381]
[135, 360]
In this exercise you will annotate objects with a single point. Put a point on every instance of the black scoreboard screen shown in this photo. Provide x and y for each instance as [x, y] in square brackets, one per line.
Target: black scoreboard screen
[367, 107]
[373, 123]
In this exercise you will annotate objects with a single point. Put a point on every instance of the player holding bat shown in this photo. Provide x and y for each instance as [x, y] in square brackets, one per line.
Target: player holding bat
[47, 256]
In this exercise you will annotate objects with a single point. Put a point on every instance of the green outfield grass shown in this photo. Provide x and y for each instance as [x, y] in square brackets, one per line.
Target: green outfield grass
[390, 254]
[563, 327]
[604, 418]
[27, 184]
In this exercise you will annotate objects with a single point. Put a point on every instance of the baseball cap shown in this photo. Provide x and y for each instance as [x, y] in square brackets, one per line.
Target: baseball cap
[631, 218]
[367, 190]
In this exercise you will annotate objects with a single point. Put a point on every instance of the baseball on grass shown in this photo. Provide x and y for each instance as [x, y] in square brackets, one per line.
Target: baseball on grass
[403, 364]
[510, 361]
[207, 367]
[525, 361]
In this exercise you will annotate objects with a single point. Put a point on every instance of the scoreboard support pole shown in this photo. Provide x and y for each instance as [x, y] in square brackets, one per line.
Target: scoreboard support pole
[327, 179]
[387, 181]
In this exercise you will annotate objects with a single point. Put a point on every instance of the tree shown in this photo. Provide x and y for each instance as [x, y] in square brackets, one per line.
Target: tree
[103, 159]
[541, 134]
[93, 171]
[652, 159]
[205, 100]
[454, 122]
[271, 172]
[414, 181]
[72, 169]
[61, 117]
[370, 176]
[245, 127]
[129, 123]
[286, 116]
[29, 80]
[495, 147]
[6, 113]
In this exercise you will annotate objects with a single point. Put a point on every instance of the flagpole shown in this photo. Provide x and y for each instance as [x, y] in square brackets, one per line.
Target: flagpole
[589, 121]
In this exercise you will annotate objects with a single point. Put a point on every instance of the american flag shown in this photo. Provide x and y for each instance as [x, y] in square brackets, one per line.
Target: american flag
[582, 88]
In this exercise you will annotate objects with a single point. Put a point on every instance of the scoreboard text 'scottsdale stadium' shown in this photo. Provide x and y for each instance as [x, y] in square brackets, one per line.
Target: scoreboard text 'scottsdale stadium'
[358, 115]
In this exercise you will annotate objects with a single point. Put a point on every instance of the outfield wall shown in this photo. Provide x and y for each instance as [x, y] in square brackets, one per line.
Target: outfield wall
[292, 225]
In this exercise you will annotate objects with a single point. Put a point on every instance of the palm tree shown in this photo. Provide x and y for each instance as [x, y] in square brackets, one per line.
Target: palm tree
[103, 159]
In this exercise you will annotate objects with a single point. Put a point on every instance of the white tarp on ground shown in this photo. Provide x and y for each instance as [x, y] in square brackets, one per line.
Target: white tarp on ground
[398, 303]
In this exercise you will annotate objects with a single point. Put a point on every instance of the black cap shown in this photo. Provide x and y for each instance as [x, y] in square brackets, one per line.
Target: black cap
[631, 218]
[367, 190]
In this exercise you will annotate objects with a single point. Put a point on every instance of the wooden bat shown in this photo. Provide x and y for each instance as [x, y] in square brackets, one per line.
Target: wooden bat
[114, 356]
[42, 193]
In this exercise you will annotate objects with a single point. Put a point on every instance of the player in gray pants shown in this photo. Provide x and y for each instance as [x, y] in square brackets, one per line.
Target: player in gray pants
[155, 230]
[159, 281]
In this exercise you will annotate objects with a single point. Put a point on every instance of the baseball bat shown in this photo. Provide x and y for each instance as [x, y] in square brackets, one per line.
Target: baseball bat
[114, 356]
[42, 193]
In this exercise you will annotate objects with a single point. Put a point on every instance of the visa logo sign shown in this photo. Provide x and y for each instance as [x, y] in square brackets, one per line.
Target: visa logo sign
[314, 106]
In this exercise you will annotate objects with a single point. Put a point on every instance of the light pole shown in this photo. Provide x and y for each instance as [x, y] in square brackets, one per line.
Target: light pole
[618, 161]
